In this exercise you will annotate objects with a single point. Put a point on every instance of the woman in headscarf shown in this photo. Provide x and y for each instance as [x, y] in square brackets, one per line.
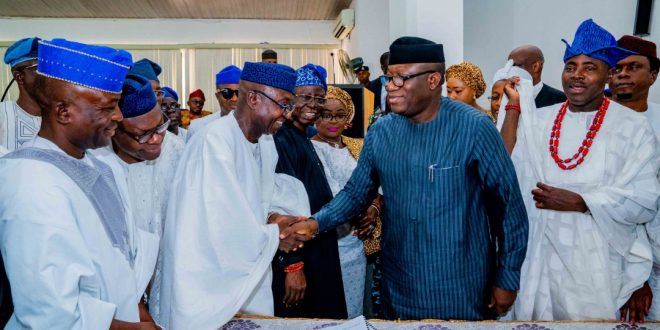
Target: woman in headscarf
[465, 83]
[339, 155]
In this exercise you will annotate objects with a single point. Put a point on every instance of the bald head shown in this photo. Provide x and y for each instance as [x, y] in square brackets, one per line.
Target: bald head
[530, 58]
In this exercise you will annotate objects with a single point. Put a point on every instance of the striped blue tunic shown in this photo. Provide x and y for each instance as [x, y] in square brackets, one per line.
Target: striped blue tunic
[454, 222]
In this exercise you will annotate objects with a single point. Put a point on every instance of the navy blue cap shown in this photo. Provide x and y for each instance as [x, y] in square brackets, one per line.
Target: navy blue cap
[274, 75]
[137, 96]
[147, 68]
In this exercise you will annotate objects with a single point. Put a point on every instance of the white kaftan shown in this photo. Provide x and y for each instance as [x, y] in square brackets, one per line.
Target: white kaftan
[585, 266]
[63, 269]
[217, 247]
[16, 125]
[196, 125]
[149, 185]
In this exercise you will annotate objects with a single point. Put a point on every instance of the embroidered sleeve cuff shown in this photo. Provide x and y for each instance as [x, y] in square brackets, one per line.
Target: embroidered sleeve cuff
[508, 279]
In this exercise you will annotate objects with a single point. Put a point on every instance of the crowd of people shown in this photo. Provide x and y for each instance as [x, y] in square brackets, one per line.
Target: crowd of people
[121, 210]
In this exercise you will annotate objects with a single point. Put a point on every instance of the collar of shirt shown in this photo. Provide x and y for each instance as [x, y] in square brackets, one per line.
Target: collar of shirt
[537, 88]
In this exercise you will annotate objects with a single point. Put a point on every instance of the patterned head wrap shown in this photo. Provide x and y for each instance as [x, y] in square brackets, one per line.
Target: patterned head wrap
[469, 74]
[336, 93]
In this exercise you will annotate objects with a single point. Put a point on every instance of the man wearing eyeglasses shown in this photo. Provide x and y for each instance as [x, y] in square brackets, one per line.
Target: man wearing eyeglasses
[451, 196]
[148, 154]
[218, 246]
[20, 119]
[71, 249]
[172, 109]
[226, 92]
[308, 283]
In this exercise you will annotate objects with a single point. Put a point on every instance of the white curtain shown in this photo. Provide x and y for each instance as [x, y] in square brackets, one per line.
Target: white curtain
[187, 69]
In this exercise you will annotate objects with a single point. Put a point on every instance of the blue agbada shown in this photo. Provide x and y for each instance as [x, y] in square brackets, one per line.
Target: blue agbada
[454, 223]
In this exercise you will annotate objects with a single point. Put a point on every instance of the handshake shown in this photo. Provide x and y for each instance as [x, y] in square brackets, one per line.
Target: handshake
[294, 230]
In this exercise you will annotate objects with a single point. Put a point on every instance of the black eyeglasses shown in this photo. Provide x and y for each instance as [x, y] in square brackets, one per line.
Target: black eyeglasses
[398, 81]
[330, 117]
[227, 93]
[172, 106]
[304, 99]
[141, 139]
[285, 107]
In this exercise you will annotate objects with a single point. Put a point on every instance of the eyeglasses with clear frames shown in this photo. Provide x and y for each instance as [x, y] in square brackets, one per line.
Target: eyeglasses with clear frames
[141, 139]
[285, 107]
[398, 81]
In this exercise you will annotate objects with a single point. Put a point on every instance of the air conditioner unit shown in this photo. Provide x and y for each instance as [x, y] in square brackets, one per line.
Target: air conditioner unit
[344, 24]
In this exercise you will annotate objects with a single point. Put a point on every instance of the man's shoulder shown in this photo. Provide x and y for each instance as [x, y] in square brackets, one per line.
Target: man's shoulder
[548, 96]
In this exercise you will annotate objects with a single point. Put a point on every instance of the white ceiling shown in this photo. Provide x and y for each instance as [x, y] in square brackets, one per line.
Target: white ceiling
[193, 9]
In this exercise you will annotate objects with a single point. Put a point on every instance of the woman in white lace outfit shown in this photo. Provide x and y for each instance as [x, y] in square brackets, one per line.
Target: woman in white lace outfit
[339, 154]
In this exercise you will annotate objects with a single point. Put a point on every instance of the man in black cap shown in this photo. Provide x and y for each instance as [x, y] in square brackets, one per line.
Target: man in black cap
[454, 229]
[362, 74]
[269, 56]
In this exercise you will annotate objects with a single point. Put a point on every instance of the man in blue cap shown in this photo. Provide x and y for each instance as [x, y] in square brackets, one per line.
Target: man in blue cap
[226, 92]
[73, 255]
[150, 70]
[587, 169]
[148, 154]
[172, 109]
[20, 119]
[217, 245]
[314, 289]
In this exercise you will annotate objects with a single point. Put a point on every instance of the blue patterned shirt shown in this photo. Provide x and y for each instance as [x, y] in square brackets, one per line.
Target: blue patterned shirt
[454, 222]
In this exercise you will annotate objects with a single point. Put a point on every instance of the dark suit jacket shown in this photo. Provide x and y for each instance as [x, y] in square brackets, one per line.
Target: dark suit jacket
[549, 96]
[376, 87]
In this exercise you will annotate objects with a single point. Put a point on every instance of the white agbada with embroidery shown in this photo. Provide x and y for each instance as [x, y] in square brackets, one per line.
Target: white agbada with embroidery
[64, 271]
[17, 127]
[585, 266]
[217, 246]
[149, 185]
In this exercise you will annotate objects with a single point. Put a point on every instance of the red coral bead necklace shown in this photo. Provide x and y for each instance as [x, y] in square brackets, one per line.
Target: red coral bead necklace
[577, 159]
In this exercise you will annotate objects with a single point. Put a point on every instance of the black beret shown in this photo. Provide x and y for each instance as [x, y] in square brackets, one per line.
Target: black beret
[415, 50]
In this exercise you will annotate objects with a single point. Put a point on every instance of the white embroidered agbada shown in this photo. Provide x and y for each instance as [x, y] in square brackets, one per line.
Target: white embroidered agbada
[217, 247]
[16, 125]
[585, 266]
[149, 185]
[64, 271]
